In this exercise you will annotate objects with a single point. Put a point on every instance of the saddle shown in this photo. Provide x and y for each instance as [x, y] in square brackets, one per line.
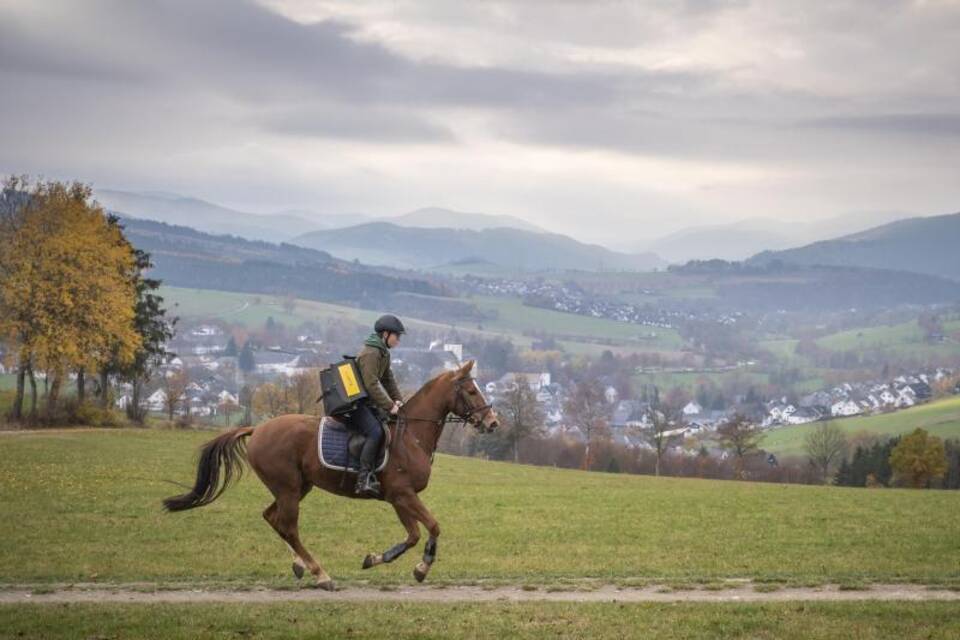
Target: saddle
[339, 446]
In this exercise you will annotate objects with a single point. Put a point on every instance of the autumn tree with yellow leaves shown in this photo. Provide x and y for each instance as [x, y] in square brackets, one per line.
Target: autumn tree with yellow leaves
[67, 285]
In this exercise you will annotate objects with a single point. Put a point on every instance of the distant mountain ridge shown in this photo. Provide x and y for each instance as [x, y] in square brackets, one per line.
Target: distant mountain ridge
[920, 245]
[424, 248]
[436, 217]
[186, 257]
[745, 238]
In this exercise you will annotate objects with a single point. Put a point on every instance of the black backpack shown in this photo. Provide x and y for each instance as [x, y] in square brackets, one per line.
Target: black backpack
[341, 387]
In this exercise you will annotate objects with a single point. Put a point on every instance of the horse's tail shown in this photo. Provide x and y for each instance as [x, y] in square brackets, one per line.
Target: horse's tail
[226, 452]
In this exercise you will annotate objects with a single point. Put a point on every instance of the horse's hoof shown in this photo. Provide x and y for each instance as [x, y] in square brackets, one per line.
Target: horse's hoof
[419, 575]
[370, 561]
[327, 585]
[297, 570]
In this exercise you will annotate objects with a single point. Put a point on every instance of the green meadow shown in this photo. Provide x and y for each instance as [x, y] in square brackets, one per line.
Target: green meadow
[84, 505]
[674, 621]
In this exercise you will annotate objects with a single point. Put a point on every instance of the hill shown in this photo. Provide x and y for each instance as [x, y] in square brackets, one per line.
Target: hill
[919, 245]
[742, 239]
[941, 418]
[436, 217]
[82, 505]
[185, 257]
[394, 245]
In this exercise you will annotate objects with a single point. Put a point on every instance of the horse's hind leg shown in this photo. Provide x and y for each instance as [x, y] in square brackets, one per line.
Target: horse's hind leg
[284, 520]
[299, 566]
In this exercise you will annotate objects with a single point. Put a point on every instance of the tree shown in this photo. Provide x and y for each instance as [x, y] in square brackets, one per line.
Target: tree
[740, 437]
[522, 414]
[305, 391]
[68, 285]
[824, 446]
[227, 407]
[587, 408]
[155, 330]
[246, 361]
[273, 399]
[231, 348]
[919, 458]
[175, 386]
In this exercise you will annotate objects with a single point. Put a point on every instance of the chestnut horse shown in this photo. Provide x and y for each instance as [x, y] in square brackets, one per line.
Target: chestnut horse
[283, 453]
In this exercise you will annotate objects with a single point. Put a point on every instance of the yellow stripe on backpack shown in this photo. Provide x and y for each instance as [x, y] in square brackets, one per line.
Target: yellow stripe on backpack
[350, 384]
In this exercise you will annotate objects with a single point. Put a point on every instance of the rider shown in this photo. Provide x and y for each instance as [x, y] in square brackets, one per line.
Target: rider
[374, 364]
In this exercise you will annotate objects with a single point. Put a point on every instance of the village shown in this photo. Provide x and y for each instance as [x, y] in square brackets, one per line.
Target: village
[221, 379]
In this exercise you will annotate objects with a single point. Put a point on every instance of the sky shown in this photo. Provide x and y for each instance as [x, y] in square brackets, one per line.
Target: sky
[608, 121]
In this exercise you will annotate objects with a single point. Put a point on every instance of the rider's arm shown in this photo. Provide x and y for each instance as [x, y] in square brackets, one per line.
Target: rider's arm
[367, 363]
[390, 384]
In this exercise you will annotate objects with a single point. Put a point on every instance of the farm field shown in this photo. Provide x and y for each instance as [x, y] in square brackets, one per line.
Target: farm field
[513, 319]
[905, 338]
[940, 418]
[84, 505]
[805, 620]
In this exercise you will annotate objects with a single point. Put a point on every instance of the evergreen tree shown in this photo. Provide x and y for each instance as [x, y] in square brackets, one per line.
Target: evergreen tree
[246, 361]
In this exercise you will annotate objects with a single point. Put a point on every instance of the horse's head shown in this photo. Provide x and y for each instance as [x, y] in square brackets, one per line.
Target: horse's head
[469, 403]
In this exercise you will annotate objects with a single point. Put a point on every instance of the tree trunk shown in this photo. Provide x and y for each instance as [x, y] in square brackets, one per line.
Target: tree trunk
[133, 407]
[33, 390]
[81, 386]
[656, 467]
[53, 395]
[516, 451]
[16, 412]
[104, 389]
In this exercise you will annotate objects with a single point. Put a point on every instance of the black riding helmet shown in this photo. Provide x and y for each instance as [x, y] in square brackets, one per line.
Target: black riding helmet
[389, 323]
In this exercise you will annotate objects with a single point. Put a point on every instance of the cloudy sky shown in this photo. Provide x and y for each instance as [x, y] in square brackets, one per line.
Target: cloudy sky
[608, 121]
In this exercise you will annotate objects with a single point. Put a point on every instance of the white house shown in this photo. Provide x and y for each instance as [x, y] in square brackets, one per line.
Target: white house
[845, 408]
[692, 408]
[225, 397]
[157, 401]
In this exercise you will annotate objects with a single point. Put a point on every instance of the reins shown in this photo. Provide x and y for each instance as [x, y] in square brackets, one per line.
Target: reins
[402, 419]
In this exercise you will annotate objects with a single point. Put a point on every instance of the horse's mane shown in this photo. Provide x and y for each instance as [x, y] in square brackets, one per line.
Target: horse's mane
[429, 384]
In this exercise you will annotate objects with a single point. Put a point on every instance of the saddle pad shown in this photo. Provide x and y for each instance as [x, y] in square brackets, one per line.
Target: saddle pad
[332, 446]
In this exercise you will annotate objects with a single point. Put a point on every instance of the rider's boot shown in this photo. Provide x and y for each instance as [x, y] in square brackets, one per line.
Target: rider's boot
[367, 483]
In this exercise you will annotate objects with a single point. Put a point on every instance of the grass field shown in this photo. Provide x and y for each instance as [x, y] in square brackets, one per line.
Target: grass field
[513, 319]
[940, 418]
[905, 339]
[85, 506]
[865, 620]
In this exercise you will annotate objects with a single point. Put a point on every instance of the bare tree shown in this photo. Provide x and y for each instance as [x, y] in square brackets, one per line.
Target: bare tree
[175, 388]
[740, 437]
[588, 409]
[824, 446]
[305, 389]
[664, 419]
[522, 414]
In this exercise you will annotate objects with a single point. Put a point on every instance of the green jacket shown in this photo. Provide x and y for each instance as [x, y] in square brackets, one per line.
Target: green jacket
[374, 364]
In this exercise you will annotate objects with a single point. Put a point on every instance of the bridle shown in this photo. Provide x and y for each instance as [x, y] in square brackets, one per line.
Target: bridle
[472, 415]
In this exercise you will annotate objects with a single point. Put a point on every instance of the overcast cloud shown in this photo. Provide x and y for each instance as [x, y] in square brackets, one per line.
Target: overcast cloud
[608, 121]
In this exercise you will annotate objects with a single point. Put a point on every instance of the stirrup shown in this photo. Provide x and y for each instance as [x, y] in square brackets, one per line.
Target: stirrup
[368, 484]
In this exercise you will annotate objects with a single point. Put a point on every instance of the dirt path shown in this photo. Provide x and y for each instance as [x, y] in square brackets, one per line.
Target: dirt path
[745, 593]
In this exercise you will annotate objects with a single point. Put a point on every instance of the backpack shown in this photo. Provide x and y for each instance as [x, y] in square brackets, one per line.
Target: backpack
[341, 387]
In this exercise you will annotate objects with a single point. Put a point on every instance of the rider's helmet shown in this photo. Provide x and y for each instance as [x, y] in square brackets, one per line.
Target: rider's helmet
[389, 323]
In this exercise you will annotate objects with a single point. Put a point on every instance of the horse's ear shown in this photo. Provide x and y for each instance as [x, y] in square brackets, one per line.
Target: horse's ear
[465, 370]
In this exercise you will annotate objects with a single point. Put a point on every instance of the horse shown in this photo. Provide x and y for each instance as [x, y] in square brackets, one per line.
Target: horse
[283, 453]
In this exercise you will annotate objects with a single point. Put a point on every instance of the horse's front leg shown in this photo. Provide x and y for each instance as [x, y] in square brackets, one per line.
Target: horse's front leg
[409, 521]
[423, 514]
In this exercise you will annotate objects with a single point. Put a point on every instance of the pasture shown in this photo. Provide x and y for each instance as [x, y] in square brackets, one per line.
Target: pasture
[579, 334]
[84, 505]
[940, 418]
[790, 621]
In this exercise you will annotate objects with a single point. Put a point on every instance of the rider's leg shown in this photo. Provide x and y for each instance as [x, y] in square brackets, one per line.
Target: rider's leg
[367, 424]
